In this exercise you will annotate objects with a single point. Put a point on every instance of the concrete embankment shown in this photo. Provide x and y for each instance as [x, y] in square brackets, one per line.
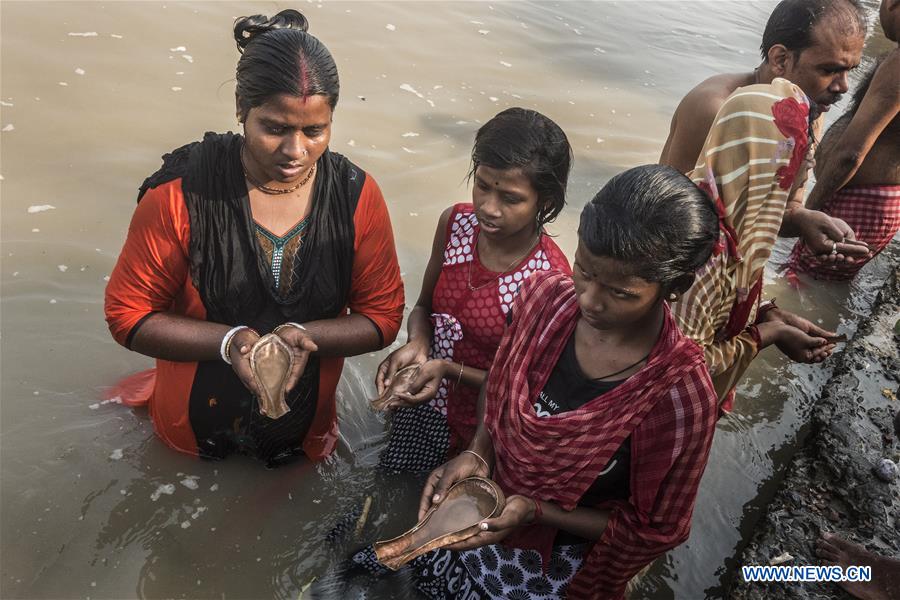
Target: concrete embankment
[831, 484]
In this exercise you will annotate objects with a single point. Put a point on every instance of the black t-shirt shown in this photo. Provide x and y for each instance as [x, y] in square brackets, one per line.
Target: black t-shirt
[568, 388]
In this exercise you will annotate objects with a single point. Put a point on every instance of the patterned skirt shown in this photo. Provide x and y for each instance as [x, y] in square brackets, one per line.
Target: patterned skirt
[419, 440]
[491, 572]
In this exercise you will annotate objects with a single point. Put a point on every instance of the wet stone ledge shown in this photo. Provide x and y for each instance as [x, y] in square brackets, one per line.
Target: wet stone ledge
[831, 484]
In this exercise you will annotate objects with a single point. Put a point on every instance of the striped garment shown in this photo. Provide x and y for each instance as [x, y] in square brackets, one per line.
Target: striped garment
[751, 157]
[873, 211]
[668, 408]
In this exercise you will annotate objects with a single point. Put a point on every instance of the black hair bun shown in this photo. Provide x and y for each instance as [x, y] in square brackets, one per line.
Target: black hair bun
[247, 28]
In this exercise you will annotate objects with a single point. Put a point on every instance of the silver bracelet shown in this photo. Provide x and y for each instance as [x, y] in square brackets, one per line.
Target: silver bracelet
[226, 342]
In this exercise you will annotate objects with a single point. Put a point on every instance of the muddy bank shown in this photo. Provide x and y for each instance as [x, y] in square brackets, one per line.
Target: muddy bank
[831, 484]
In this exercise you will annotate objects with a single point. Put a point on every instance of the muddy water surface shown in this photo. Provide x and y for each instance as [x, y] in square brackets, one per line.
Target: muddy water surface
[93, 93]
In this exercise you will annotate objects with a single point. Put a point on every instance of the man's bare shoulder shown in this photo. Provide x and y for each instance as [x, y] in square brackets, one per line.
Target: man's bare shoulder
[708, 96]
[694, 117]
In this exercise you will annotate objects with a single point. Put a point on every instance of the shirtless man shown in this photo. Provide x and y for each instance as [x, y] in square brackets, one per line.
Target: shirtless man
[812, 43]
[858, 164]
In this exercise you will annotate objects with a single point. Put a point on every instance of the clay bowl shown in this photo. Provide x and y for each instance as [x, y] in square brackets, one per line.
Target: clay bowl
[399, 385]
[271, 360]
[468, 502]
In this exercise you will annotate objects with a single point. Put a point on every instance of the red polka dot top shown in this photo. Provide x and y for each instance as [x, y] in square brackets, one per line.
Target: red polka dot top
[470, 304]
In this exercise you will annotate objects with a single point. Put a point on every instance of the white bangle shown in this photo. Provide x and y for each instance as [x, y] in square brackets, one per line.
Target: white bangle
[226, 342]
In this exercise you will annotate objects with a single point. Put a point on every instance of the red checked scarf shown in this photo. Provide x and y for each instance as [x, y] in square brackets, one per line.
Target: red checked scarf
[669, 408]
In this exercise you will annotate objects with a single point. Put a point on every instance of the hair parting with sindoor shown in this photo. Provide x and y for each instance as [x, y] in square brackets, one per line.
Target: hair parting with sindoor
[519, 138]
[279, 56]
[656, 221]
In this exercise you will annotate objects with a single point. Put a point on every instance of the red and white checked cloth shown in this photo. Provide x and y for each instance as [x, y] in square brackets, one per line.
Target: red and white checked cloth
[873, 212]
[669, 408]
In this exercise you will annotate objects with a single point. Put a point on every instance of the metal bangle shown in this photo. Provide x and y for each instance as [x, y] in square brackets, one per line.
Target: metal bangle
[288, 324]
[225, 346]
[478, 456]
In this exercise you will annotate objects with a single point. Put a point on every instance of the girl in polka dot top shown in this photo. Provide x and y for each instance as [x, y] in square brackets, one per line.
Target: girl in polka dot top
[481, 254]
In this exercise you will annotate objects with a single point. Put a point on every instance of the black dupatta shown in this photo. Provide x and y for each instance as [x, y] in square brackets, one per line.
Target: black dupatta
[235, 283]
[228, 268]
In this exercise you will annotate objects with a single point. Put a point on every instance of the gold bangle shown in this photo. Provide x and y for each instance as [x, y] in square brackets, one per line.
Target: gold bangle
[478, 456]
[288, 324]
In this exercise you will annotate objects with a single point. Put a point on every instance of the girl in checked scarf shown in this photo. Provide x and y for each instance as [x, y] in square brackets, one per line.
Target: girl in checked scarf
[597, 414]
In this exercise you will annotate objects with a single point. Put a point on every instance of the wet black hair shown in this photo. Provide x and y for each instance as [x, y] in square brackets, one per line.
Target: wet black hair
[792, 22]
[526, 139]
[278, 56]
[654, 219]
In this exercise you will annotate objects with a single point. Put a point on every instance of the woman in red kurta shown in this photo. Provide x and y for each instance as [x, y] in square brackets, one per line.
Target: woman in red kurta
[482, 253]
[238, 236]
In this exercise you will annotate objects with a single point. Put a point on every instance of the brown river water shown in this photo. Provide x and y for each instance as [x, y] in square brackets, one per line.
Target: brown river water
[92, 505]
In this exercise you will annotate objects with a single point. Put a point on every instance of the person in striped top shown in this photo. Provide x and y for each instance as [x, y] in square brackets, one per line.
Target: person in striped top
[754, 159]
[814, 44]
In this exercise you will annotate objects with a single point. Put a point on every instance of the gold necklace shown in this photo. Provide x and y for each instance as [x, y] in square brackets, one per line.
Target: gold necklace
[275, 191]
[473, 288]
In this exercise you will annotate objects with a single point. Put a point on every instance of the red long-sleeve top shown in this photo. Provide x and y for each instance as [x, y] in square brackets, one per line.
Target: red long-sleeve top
[153, 275]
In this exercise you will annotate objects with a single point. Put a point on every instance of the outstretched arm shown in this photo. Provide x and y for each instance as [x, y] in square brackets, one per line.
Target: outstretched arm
[477, 460]
[831, 238]
[418, 323]
[146, 282]
[879, 107]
